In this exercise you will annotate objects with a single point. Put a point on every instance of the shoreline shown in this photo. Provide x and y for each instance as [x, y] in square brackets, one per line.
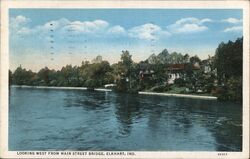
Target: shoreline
[109, 90]
[179, 95]
[53, 87]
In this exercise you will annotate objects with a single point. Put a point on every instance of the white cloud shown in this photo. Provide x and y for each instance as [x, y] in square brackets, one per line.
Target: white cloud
[192, 20]
[18, 21]
[205, 20]
[61, 25]
[23, 31]
[87, 26]
[236, 25]
[101, 28]
[190, 28]
[232, 20]
[147, 31]
[55, 24]
[189, 25]
[117, 30]
[233, 29]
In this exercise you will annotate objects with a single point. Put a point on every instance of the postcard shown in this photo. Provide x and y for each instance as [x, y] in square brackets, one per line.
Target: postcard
[124, 79]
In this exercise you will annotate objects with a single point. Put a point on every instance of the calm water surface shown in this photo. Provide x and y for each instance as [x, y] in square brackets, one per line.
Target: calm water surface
[43, 119]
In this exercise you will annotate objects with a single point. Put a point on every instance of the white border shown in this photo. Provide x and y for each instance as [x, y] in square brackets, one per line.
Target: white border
[4, 56]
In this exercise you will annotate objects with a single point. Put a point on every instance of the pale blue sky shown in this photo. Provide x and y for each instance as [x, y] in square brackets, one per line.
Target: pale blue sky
[56, 37]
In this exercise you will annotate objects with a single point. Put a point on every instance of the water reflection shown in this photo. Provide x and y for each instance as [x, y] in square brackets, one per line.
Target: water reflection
[180, 115]
[90, 120]
[88, 100]
[127, 109]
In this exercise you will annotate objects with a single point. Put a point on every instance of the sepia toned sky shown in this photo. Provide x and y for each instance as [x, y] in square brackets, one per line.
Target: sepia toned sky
[56, 37]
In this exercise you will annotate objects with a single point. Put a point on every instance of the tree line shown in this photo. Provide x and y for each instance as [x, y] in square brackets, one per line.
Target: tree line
[223, 80]
[229, 64]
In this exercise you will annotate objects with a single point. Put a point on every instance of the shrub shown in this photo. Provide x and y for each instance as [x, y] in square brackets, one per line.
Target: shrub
[179, 82]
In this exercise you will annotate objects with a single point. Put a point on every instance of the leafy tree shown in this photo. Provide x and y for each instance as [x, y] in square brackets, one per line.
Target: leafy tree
[153, 59]
[127, 61]
[228, 60]
[163, 57]
[10, 77]
[98, 59]
[43, 75]
[22, 76]
[67, 73]
[195, 59]
[127, 74]
[96, 74]
[186, 58]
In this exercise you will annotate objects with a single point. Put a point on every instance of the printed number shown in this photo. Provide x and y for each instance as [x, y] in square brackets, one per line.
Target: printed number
[222, 154]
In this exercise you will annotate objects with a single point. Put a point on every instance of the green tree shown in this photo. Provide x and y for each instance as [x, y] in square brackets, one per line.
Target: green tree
[98, 59]
[96, 74]
[186, 58]
[195, 59]
[10, 77]
[228, 62]
[67, 74]
[153, 59]
[125, 72]
[43, 76]
[23, 77]
[127, 61]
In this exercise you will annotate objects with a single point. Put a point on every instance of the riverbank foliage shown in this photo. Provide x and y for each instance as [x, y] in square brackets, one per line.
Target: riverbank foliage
[219, 75]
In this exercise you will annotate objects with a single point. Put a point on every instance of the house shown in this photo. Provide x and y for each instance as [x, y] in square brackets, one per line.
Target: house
[176, 71]
[146, 74]
[206, 66]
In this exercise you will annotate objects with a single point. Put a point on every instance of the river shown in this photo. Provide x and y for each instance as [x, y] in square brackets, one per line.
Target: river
[47, 119]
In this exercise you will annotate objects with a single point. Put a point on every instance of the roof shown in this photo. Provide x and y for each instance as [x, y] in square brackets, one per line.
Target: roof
[176, 67]
[180, 67]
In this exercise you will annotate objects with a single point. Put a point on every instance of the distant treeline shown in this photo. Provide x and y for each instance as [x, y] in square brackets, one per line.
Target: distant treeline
[223, 80]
